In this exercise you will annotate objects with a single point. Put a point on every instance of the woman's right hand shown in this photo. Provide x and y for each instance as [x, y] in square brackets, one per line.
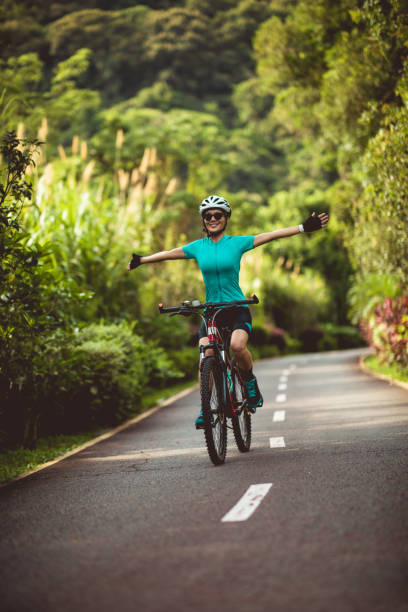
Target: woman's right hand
[134, 262]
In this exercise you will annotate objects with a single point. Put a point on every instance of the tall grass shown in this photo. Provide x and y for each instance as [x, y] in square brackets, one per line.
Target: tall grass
[92, 222]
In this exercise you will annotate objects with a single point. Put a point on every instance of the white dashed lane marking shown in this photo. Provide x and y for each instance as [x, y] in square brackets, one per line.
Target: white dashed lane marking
[280, 415]
[248, 503]
[277, 442]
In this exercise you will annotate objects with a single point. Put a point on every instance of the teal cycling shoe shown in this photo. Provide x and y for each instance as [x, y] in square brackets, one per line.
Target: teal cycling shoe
[255, 399]
[199, 422]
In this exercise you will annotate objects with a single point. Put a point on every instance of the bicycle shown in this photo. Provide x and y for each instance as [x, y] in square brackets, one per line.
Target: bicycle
[223, 392]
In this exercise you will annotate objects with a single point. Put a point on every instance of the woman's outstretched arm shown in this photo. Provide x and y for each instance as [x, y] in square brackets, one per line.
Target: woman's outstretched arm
[138, 260]
[312, 224]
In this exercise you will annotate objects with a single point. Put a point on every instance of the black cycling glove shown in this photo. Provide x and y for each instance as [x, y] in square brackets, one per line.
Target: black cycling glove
[135, 261]
[312, 224]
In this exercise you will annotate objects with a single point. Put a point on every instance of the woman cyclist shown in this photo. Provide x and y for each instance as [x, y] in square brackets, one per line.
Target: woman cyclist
[219, 257]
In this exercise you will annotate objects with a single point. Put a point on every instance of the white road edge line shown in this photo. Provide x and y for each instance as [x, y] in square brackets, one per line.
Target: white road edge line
[249, 502]
[281, 397]
[277, 442]
[279, 415]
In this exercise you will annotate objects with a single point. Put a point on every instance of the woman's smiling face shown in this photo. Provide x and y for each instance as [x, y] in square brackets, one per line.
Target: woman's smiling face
[215, 220]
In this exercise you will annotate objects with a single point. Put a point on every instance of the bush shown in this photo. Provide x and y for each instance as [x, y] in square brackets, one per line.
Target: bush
[94, 377]
[340, 337]
[259, 336]
[111, 369]
[264, 352]
[187, 361]
[310, 339]
[37, 306]
[277, 338]
[270, 341]
[330, 337]
[387, 331]
[368, 291]
[27, 381]
[296, 302]
[169, 333]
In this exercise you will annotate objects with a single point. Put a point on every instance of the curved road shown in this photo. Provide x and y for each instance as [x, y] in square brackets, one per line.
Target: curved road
[136, 521]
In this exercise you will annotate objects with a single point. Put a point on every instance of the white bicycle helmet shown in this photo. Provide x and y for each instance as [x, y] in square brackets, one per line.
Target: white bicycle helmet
[214, 201]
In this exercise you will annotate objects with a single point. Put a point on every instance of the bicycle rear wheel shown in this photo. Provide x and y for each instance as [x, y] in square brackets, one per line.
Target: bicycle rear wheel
[215, 421]
[241, 420]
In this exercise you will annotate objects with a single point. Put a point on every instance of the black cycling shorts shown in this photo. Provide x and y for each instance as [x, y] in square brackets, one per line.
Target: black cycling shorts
[234, 318]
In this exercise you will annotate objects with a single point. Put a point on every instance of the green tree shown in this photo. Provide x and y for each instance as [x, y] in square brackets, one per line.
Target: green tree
[21, 77]
[116, 39]
[70, 108]
[36, 305]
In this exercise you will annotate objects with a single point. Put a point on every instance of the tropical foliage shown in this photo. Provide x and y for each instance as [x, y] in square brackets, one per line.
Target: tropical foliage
[387, 331]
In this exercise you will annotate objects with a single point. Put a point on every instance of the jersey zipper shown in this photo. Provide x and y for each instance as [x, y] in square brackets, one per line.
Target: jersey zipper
[217, 272]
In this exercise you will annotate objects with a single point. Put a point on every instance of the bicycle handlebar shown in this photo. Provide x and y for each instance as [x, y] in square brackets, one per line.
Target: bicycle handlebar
[190, 307]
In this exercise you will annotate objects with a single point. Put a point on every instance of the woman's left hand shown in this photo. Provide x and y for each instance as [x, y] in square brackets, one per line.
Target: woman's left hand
[315, 222]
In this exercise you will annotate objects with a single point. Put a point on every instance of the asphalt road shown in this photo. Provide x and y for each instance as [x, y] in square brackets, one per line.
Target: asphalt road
[135, 522]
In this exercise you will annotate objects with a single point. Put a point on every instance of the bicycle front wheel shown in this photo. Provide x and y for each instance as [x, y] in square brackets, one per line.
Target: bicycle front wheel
[241, 420]
[215, 421]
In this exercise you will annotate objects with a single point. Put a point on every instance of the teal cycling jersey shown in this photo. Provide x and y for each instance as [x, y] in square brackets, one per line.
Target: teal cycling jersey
[220, 264]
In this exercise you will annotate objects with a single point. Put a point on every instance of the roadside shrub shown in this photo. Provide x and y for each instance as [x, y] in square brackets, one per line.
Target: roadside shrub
[367, 292]
[387, 331]
[331, 337]
[186, 361]
[37, 305]
[259, 336]
[264, 352]
[340, 337]
[110, 374]
[94, 377]
[296, 302]
[169, 333]
[111, 369]
[277, 338]
[27, 383]
[310, 339]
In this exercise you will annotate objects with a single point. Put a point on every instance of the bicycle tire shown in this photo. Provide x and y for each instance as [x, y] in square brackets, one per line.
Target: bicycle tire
[215, 421]
[241, 422]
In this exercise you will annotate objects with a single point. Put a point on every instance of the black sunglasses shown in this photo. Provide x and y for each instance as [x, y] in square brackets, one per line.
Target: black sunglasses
[217, 216]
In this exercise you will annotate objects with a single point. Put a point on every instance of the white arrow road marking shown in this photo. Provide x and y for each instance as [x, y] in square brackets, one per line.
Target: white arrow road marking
[281, 397]
[277, 442]
[279, 415]
[248, 503]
